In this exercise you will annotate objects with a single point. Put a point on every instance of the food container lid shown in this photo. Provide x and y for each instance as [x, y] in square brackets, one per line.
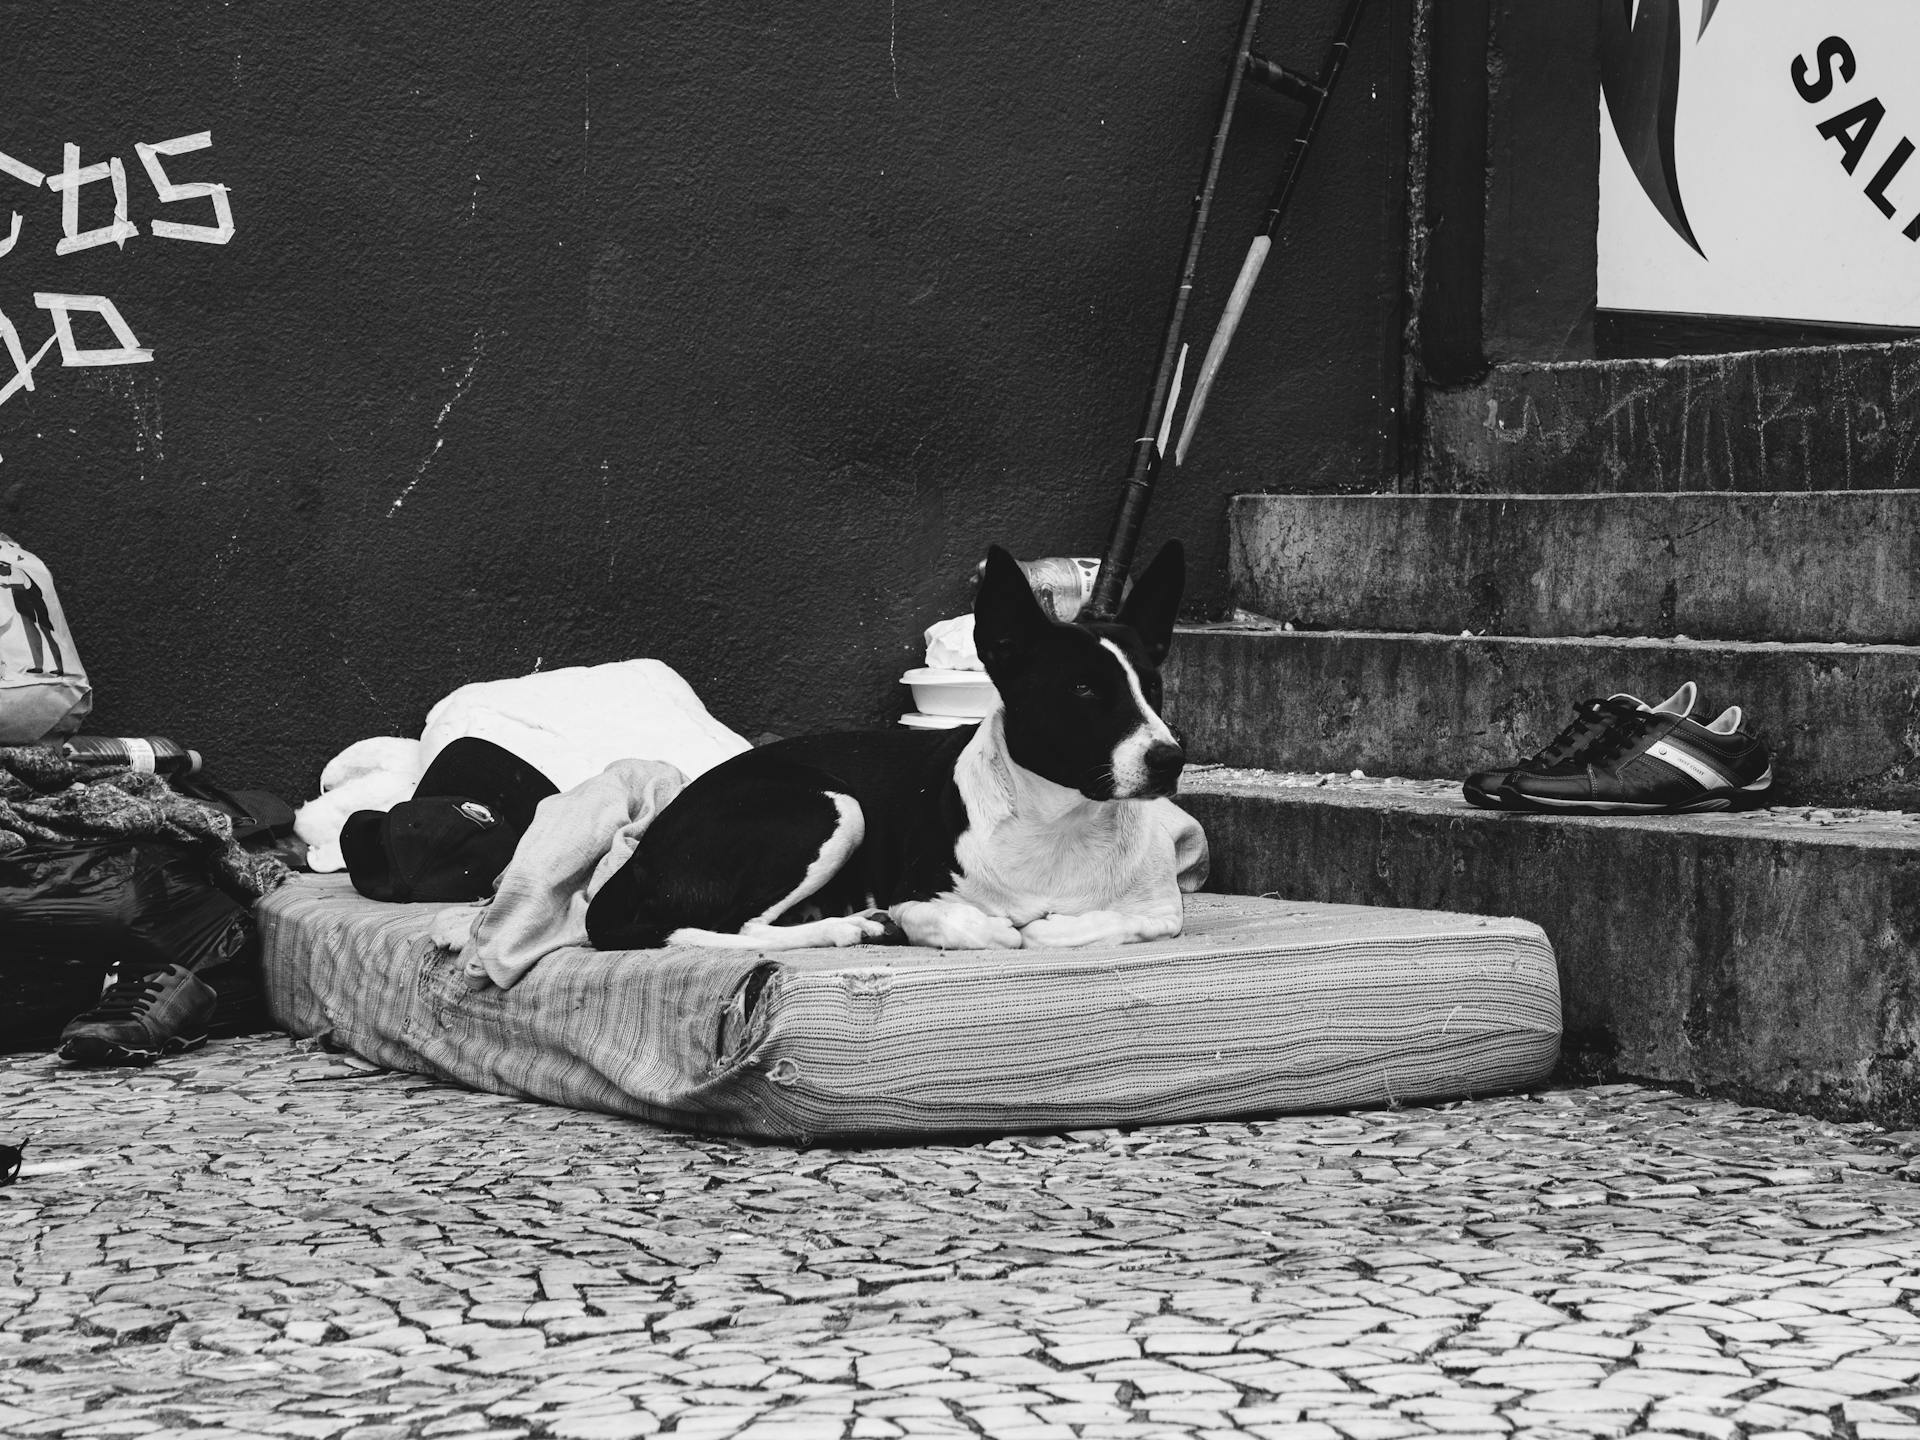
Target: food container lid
[945, 677]
[917, 721]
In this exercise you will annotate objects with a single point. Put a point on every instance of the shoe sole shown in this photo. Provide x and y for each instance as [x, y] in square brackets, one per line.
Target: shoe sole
[1485, 799]
[100, 1052]
[1746, 797]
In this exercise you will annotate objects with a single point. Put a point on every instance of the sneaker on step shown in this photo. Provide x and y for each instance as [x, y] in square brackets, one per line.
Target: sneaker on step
[1592, 719]
[140, 1018]
[1654, 764]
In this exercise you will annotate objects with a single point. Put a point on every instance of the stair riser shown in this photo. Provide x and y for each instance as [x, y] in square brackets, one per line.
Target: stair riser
[1843, 722]
[1766, 969]
[1829, 566]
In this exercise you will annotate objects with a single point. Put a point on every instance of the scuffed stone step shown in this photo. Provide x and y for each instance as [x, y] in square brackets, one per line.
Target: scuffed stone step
[1841, 417]
[1843, 720]
[1771, 955]
[1827, 565]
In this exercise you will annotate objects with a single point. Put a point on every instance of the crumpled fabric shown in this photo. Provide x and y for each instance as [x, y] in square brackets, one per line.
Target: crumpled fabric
[577, 839]
[46, 798]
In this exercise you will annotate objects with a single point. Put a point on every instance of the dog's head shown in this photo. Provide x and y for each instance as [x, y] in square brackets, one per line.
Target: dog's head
[1082, 700]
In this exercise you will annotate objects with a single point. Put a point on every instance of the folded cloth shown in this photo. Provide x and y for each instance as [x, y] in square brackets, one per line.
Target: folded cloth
[46, 799]
[577, 839]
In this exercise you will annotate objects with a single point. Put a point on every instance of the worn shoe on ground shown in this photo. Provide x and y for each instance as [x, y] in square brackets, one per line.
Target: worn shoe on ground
[1654, 764]
[140, 1018]
[1592, 720]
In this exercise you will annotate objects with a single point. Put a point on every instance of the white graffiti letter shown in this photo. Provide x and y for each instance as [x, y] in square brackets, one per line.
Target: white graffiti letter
[20, 171]
[22, 366]
[68, 183]
[61, 307]
[215, 234]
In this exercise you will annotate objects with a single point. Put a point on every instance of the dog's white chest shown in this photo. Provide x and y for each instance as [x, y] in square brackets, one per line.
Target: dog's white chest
[1097, 856]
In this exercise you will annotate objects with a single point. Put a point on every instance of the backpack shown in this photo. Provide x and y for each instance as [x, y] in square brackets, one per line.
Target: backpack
[43, 687]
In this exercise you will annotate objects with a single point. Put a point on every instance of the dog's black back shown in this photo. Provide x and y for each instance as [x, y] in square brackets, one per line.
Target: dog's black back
[694, 867]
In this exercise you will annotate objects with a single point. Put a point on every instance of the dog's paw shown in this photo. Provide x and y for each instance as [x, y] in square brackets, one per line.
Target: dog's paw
[1097, 927]
[850, 930]
[952, 925]
[453, 927]
[1060, 931]
[997, 933]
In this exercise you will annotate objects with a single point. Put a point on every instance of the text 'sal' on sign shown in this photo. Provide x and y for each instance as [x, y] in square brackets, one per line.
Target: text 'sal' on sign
[1757, 158]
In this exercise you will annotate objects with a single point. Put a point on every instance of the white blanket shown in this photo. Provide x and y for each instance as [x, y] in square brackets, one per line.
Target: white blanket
[570, 724]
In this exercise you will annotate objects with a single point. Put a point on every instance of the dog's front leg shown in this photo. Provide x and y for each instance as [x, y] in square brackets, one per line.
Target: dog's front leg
[954, 925]
[1100, 927]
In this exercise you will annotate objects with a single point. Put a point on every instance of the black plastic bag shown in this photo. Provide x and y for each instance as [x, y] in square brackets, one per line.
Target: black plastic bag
[71, 914]
[259, 816]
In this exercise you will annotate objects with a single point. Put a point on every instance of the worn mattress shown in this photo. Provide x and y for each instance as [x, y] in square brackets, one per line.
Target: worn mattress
[1262, 1006]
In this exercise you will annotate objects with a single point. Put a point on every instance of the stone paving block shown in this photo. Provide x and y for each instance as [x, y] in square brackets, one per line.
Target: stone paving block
[1512, 1260]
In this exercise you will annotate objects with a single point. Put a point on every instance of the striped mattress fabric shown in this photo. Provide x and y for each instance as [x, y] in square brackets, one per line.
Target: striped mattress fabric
[1261, 1007]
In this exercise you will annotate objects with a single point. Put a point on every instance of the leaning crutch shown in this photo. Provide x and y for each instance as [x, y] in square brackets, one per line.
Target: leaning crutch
[1150, 447]
[1138, 489]
[1315, 93]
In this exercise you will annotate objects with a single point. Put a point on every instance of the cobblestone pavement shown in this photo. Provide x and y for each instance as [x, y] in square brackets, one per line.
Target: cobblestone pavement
[264, 1240]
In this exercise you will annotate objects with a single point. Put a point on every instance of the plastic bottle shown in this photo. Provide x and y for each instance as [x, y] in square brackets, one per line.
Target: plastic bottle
[1061, 583]
[143, 754]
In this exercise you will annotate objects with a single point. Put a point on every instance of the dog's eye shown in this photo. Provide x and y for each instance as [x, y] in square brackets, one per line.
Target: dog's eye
[1083, 691]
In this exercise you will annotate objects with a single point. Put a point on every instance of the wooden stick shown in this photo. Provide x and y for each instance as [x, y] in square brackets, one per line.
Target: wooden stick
[1173, 404]
[1222, 337]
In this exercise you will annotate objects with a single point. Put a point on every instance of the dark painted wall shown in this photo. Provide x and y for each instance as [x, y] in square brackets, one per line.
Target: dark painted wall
[1543, 180]
[557, 333]
[1512, 199]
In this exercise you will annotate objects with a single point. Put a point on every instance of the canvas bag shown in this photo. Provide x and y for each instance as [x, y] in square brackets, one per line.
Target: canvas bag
[43, 686]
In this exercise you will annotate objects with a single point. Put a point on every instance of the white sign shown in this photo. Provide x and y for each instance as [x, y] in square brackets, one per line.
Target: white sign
[1757, 159]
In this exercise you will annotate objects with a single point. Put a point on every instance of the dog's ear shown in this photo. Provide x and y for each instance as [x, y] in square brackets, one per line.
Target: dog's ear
[1154, 602]
[1006, 617]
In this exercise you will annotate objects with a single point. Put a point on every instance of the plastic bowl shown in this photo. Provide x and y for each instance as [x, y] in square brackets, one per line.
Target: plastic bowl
[966, 693]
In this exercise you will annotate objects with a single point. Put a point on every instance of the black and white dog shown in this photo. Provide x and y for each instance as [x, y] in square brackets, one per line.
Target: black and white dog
[1046, 824]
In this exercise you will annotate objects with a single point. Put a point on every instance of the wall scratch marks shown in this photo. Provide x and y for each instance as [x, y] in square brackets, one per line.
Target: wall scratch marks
[1816, 418]
[459, 394]
[606, 518]
[893, 45]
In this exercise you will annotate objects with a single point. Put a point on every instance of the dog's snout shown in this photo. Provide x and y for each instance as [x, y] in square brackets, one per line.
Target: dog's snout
[1164, 762]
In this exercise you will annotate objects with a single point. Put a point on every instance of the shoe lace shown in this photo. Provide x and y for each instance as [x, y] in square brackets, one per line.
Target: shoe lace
[1593, 719]
[129, 995]
[1619, 737]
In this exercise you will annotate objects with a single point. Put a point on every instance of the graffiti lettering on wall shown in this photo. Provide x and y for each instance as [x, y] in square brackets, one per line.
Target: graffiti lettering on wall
[67, 183]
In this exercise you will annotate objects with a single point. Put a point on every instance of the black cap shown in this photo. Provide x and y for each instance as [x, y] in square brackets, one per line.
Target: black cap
[475, 769]
[453, 838]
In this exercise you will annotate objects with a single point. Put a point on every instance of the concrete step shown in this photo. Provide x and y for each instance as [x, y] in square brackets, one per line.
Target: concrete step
[1771, 956]
[1843, 720]
[1751, 565]
[1827, 418]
